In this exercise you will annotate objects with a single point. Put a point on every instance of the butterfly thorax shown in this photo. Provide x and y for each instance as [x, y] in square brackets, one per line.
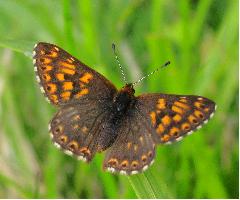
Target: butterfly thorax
[124, 99]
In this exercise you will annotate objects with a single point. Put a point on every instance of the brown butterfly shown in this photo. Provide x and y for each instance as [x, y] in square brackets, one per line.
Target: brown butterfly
[93, 115]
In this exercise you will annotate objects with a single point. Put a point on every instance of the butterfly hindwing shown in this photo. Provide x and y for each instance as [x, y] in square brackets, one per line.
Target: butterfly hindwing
[134, 149]
[79, 129]
[175, 116]
[64, 79]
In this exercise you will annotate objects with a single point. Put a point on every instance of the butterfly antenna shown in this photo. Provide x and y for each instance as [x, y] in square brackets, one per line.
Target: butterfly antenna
[119, 64]
[165, 65]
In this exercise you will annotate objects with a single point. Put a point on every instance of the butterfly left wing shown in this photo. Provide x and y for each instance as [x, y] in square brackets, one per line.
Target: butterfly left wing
[174, 116]
[134, 149]
[66, 80]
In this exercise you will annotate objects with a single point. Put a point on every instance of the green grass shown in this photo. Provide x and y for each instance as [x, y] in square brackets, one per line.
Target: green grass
[200, 38]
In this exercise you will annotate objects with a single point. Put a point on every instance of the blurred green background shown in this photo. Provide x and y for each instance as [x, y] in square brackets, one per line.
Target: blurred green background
[199, 37]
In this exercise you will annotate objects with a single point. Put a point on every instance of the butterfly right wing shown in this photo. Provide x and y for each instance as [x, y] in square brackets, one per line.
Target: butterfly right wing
[64, 79]
[174, 116]
[134, 149]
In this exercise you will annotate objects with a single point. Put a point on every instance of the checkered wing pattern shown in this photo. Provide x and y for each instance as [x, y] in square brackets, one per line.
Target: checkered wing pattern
[64, 79]
[174, 116]
[83, 95]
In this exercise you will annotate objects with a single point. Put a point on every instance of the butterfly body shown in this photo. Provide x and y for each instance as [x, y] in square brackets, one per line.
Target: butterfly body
[124, 99]
[94, 116]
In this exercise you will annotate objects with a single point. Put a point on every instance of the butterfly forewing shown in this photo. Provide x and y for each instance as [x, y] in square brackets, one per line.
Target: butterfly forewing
[174, 116]
[64, 79]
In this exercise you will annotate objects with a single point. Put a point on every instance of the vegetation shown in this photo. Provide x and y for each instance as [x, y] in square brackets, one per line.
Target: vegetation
[200, 38]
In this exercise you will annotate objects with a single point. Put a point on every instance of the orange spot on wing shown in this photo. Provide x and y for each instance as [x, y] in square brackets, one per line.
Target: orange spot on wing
[54, 98]
[181, 105]
[199, 114]
[165, 138]
[134, 164]
[153, 118]
[45, 60]
[51, 88]
[206, 109]
[82, 93]
[76, 126]
[200, 105]
[68, 71]
[177, 118]
[65, 64]
[113, 162]
[183, 100]
[144, 158]
[85, 150]
[76, 117]
[124, 163]
[161, 104]
[135, 147]
[174, 131]
[177, 109]
[192, 119]
[160, 129]
[46, 68]
[86, 77]
[46, 77]
[73, 145]
[141, 139]
[186, 126]
[69, 60]
[166, 120]
[68, 85]
[53, 54]
[60, 77]
[65, 95]
[84, 129]
[63, 138]
[129, 144]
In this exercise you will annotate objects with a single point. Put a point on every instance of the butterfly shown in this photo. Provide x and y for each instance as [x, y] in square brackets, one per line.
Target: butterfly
[94, 116]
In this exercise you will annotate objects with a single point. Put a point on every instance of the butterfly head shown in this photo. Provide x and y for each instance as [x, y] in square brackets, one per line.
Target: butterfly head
[128, 88]
[124, 98]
